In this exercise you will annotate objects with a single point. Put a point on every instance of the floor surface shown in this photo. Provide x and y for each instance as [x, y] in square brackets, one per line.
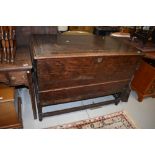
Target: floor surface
[141, 113]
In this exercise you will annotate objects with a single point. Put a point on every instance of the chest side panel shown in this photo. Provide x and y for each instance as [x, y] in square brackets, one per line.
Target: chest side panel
[65, 72]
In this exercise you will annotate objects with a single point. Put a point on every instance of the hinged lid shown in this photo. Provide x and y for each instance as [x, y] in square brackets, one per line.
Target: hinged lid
[46, 46]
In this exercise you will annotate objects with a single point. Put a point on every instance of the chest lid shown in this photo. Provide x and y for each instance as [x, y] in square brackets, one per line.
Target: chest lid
[47, 46]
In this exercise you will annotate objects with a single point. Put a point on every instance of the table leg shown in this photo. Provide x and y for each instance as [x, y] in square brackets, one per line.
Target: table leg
[140, 97]
[32, 94]
[125, 94]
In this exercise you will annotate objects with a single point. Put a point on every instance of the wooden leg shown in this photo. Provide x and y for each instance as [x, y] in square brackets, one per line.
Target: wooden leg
[32, 94]
[125, 94]
[116, 102]
[40, 113]
[140, 98]
[20, 112]
[117, 98]
[153, 96]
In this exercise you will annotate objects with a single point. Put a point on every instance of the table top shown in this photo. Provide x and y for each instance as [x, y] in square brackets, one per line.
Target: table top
[46, 46]
[150, 55]
[22, 61]
[148, 47]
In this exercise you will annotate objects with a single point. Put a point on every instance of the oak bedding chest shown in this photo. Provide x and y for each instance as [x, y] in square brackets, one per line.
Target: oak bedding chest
[72, 68]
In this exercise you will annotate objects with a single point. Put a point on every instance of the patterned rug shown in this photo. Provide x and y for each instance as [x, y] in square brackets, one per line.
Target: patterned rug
[118, 120]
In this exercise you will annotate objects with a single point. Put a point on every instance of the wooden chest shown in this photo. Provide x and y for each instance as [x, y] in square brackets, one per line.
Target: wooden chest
[71, 68]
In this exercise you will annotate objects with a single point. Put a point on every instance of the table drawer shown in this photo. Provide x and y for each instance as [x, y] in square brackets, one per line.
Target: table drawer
[14, 78]
[4, 78]
[75, 71]
[18, 78]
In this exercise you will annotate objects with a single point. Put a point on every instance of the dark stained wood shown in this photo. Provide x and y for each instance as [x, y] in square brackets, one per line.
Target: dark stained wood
[15, 74]
[14, 78]
[19, 110]
[58, 112]
[124, 96]
[18, 78]
[76, 93]
[4, 78]
[4, 54]
[50, 46]
[71, 68]
[23, 33]
[12, 42]
[31, 89]
[150, 55]
[22, 61]
[148, 48]
[7, 35]
[76, 71]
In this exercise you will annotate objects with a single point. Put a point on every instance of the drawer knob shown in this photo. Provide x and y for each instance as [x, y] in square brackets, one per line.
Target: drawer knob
[13, 78]
[139, 52]
[99, 60]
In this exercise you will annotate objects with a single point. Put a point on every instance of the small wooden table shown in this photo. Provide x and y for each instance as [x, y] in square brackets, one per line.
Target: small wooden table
[19, 73]
[144, 79]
